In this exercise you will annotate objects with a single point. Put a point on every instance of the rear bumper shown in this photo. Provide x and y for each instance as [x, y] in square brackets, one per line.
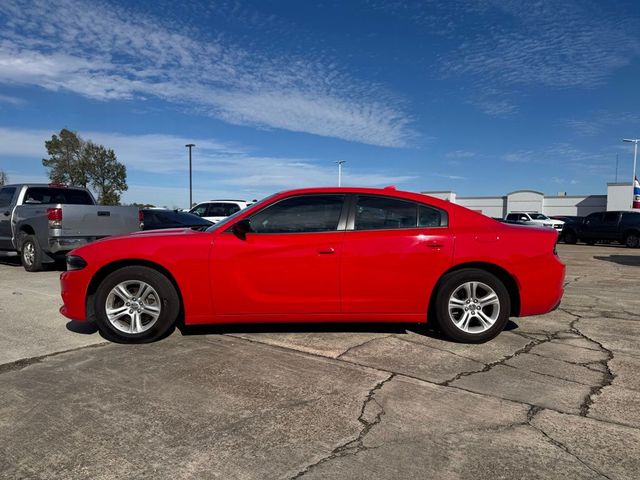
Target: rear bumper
[541, 285]
[66, 244]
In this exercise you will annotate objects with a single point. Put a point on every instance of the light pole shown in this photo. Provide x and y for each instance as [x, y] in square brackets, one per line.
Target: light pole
[340, 162]
[190, 146]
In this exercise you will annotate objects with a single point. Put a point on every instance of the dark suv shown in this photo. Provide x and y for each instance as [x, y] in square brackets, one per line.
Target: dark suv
[623, 227]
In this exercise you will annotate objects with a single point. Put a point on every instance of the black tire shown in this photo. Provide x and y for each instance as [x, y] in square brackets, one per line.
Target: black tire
[570, 237]
[168, 301]
[451, 283]
[31, 253]
[632, 240]
[590, 242]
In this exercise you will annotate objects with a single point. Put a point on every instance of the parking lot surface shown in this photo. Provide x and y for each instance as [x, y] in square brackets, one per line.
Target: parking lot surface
[554, 396]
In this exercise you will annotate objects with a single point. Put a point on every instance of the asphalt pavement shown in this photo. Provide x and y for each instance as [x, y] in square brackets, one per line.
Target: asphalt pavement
[554, 396]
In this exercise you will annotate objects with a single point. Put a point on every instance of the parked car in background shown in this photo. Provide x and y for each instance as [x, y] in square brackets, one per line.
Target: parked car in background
[534, 218]
[613, 226]
[320, 255]
[161, 218]
[568, 220]
[43, 222]
[216, 210]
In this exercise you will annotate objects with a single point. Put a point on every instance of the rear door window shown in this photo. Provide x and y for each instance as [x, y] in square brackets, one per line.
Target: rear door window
[384, 213]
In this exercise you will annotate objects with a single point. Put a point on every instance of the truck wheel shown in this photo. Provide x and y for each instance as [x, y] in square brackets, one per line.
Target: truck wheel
[472, 306]
[136, 305]
[632, 240]
[570, 237]
[31, 254]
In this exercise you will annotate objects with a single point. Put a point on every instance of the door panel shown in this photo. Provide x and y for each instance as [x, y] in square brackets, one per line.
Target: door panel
[6, 198]
[393, 271]
[293, 273]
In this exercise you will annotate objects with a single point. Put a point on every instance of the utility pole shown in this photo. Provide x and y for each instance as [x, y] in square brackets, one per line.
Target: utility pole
[190, 146]
[340, 162]
[616, 168]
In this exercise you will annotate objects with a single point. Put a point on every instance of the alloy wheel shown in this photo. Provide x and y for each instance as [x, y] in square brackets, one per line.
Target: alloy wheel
[133, 306]
[474, 307]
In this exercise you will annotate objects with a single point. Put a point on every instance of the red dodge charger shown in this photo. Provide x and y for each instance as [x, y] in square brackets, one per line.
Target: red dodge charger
[320, 255]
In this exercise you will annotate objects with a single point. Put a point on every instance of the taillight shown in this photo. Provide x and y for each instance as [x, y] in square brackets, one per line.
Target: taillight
[54, 215]
[141, 219]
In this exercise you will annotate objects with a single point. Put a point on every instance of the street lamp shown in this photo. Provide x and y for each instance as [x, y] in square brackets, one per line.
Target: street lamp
[190, 146]
[340, 162]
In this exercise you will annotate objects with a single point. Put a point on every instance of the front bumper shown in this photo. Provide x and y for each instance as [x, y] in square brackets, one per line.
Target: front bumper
[73, 290]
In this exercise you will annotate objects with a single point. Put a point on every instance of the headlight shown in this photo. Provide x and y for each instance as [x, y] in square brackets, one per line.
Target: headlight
[75, 262]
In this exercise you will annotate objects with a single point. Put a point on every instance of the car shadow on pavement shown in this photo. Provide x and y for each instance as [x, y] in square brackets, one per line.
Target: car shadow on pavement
[10, 260]
[316, 327]
[84, 328]
[629, 260]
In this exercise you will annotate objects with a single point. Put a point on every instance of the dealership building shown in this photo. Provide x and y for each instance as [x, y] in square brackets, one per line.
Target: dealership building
[618, 197]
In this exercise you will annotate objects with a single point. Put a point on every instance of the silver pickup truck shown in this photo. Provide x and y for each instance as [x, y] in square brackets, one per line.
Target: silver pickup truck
[43, 222]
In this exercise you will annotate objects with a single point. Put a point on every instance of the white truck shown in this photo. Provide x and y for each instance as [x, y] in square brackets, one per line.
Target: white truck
[216, 210]
[535, 218]
[42, 222]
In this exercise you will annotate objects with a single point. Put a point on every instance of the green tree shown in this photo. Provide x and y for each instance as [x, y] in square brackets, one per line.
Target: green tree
[74, 161]
[65, 159]
[4, 179]
[107, 176]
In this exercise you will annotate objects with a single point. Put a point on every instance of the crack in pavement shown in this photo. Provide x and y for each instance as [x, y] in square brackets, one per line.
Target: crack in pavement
[355, 446]
[362, 344]
[25, 362]
[501, 361]
[531, 415]
[404, 339]
[607, 377]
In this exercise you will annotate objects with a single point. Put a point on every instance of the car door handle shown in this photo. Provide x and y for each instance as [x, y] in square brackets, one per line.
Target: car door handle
[7, 213]
[435, 244]
[326, 251]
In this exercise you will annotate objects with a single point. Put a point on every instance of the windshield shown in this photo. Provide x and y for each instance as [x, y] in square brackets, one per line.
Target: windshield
[538, 216]
[225, 221]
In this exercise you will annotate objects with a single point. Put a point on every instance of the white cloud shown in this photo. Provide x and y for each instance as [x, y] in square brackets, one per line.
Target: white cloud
[558, 44]
[460, 154]
[156, 160]
[106, 52]
[11, 100]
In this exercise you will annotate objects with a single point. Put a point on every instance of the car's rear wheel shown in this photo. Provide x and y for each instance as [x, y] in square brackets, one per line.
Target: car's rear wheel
[31, 254]
[632, 240]
[570, 237]
[136, 305]
[472, 306]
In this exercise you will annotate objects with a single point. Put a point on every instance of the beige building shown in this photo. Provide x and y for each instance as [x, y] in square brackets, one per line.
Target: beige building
[618, 197]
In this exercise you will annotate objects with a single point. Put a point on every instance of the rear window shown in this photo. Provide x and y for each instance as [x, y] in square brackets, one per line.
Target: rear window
[52, 195]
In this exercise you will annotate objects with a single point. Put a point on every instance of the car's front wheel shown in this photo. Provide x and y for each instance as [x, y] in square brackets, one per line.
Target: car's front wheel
[136, 305]
[472, 306]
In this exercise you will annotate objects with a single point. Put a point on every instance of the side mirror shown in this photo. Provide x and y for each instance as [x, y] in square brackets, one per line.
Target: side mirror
[241, 228]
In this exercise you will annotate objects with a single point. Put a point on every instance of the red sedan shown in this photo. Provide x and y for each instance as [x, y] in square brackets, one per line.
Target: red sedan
[320, 255]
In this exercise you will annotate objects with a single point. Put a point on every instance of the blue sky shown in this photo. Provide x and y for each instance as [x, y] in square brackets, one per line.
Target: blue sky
[478, 96]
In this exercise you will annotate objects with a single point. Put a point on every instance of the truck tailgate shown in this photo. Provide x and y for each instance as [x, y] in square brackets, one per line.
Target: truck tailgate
[98, 220]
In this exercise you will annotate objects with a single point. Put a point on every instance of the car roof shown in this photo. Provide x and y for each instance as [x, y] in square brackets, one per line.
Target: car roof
[387, 191]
